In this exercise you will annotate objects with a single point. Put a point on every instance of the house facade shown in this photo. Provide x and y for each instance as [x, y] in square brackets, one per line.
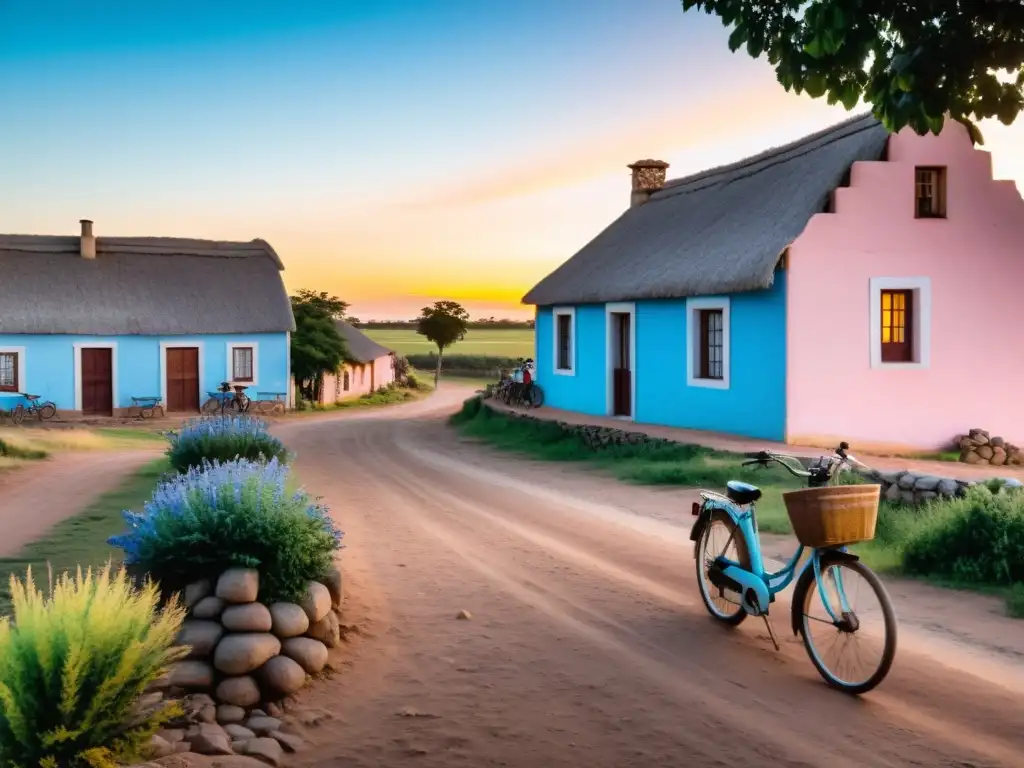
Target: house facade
[849, 286]
[368, 367]
[90, 323]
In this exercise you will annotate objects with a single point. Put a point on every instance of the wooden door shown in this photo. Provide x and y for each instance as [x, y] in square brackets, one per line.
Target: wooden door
[622, 376]
[182, 379]
[97, 381]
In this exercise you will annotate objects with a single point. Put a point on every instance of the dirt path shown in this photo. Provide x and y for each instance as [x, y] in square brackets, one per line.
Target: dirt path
[39, 495]
[588, 644]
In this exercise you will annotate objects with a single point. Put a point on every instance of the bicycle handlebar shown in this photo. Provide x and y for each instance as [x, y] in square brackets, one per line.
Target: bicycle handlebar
[762, 458]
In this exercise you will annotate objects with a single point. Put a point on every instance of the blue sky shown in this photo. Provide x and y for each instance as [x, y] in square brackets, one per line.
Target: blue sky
[393, 151]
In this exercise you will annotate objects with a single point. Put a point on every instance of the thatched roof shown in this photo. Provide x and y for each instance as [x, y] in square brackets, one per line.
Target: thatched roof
[361, 348]
[141, 286]
[718, 231]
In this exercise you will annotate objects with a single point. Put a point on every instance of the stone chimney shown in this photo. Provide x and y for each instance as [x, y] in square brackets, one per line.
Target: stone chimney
[88, 240]
[648, 177]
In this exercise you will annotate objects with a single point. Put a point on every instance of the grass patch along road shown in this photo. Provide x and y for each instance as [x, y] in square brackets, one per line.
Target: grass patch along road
[82, 539]
[500, 342]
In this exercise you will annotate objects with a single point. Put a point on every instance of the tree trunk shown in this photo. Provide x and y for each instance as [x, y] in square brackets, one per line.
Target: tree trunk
[437, 373]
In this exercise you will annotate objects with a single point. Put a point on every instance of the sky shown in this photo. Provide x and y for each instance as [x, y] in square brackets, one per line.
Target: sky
[393, 152]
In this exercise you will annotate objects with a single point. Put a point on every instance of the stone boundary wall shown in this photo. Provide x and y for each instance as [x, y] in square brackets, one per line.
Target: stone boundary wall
[979, 447]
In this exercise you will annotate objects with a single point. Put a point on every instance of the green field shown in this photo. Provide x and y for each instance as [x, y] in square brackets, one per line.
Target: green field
[505, 342]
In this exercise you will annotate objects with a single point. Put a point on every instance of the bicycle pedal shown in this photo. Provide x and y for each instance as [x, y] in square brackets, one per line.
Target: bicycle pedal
[771, 632]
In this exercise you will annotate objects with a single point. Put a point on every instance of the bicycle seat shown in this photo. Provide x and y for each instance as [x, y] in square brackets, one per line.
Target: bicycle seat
[31, 397]
[742, 493]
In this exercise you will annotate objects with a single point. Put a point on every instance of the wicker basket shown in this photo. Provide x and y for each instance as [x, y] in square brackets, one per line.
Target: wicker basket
[835, 515]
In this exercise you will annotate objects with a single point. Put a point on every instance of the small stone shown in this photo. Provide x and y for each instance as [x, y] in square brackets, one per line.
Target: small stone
[997, 442]
[926, 483]
[252, 617]
[263, 725]
[998, 457]
[289, 741]
[309, 653]
[239, 654]
[258, 713]
[196, 701]
[160, 747]
[326, 630]
[238, 585]
[228, 714]
[312, 717]
[192, 674]
[985, 452]
[238, 732]
[201, 636]
[907, 480]
[282, 676]
[947, 487]
[289, 620]
[171, 735]
[267, 750]
[239, 745]
[333, 581]
[972, 457]
[182, 746]
[195, 592]
[273, 710]
[212, 744]
[208, 714]
[893, 493]
[316, 602]
[240, 691]
[209, 607]
[464, 615]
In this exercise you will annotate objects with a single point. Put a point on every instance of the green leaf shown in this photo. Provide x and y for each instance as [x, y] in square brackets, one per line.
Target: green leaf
[737, 38]
[755, 46]
[850, 96]
[815, 85]
[814, 48]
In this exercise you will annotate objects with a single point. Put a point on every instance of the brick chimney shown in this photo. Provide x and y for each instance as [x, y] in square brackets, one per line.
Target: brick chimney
[648, 177]
[88, 240]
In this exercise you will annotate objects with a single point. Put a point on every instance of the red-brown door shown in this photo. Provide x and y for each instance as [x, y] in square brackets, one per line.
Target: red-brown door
[182, 379]
[97, 381]
[622, 376]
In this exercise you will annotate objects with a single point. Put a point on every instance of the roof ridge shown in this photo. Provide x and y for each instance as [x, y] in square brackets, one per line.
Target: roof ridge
[784, 153]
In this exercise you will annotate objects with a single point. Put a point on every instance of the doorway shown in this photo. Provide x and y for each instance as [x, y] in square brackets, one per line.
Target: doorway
[182, 379]
[620, 360]
[97, 381]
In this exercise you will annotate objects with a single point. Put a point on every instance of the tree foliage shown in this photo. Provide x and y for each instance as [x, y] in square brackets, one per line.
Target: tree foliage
[444, 324]
[913, 62]
[317, 347]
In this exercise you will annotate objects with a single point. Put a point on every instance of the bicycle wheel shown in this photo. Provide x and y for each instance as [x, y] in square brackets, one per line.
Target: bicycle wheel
[211, 406]
[715, 542]
[18, 414]
[47, 411]
[854, 654]
[536, 396]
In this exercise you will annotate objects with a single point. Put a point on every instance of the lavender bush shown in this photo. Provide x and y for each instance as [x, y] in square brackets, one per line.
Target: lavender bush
[237, 513]
[223, 437]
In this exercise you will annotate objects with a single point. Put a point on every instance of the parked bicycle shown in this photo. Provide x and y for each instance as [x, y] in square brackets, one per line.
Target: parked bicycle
[520, 389]
[227, 398]
[15, 413]
[826, 518]
[43, 410]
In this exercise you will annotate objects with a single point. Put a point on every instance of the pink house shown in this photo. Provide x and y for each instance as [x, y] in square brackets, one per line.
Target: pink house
[851, 285]
[368, 367]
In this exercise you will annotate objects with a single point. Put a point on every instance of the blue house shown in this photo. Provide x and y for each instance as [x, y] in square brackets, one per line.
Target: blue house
[90, 323]
[676, 313]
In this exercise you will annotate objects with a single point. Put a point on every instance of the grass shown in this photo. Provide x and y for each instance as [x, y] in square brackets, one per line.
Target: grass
[388, 396]
[939, 456]
[82, 539]
[50, 440]
[501, 342]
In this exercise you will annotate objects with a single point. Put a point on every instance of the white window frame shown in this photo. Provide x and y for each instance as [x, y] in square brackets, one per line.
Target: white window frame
[231, 347]
[610, 310]
[20, 352]
[921, 344]
[569, 312]
[693, 341]
[112, 346]
[162, 372]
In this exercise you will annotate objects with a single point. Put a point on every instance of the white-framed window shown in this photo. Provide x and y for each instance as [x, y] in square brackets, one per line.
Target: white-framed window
[707, 342]
[12, 369]
[563, 321]
[901, 322]
[243, 362]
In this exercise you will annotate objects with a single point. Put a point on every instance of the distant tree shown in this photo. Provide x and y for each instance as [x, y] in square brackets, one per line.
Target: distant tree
[444, 324]
[317, 347]
[913, 62]
[354, 321]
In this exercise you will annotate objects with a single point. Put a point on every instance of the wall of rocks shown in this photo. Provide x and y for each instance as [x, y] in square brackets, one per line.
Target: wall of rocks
[979, 447]
[246, 660]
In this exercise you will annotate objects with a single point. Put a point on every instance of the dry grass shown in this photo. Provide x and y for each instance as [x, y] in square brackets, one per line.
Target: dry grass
[78, 439]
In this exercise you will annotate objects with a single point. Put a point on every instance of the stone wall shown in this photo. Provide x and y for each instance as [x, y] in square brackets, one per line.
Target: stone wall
[979, 447]
[246, 659]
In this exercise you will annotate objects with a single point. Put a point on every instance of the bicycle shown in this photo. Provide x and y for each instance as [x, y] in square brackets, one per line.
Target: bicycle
[15, 414]
[826, 517]
[225, 399]
[44, 411]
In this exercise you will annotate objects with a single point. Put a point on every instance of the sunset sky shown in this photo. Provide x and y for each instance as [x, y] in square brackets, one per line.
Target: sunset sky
[394, 152]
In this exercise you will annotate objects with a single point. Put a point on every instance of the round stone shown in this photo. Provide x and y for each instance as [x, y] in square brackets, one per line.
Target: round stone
[239, 654]
[230, 713]
[251, 617]
[208, 608]
[238, 585]
[326, 630]
[240, 691]
[310, 654]
[281, 676]
[289, 620]
[191, 674]
[201, 636]
[316, 602]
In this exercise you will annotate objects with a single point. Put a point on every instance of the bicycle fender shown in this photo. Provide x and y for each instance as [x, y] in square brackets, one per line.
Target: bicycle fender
[807, 582]
[702, 520]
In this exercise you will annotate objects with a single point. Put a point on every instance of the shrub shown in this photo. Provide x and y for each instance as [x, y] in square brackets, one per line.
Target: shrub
[478, 364]
[233, 514]
[977, 539]
[1015, 601]
[19, 452]
[73, 665]
[223, 438]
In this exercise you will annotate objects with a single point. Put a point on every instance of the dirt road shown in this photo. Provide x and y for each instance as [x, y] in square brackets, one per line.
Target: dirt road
[587, 643]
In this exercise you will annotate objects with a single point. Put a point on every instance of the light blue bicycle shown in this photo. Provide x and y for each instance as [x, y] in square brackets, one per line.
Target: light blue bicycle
[852, 646]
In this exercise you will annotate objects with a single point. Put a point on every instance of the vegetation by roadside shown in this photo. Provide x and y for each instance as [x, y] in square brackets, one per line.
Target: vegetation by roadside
[974, 542]
[82, 539]
[414, 388]
[48, 440]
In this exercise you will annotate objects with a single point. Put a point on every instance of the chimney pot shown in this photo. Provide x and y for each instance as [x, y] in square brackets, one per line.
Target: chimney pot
[87, 240]
[648, 177]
